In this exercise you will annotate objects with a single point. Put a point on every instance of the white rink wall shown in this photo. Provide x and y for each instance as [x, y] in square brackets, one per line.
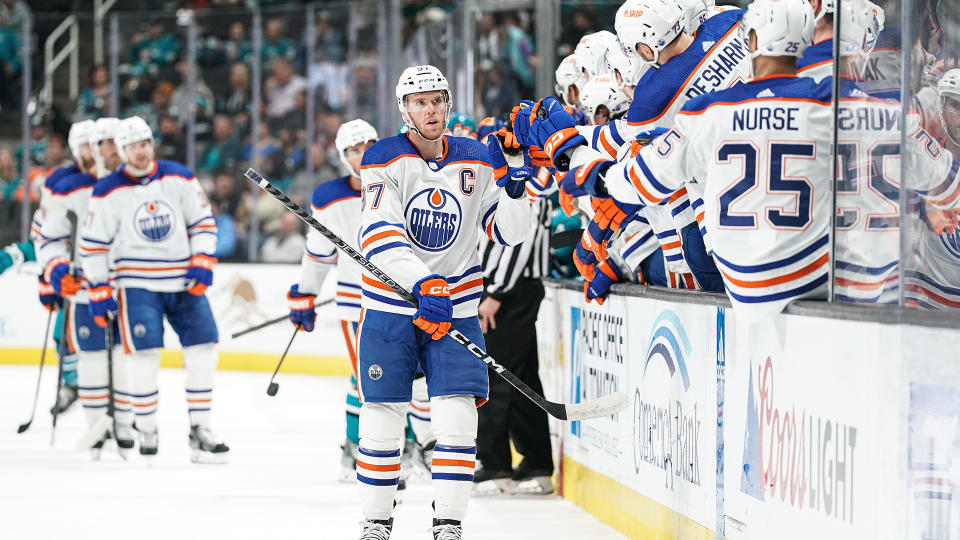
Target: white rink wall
[796, 428]
[242, 295]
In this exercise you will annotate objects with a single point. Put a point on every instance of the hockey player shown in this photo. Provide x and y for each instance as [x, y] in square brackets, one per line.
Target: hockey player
[424, 197]
[569, 80]
[78, 139]
[69, 195]
[817, 60]
[149, 228]
[336, 204]
[770, 243]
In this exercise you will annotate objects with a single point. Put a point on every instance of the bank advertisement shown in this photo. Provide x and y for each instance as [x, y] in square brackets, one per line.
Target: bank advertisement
[663, 356]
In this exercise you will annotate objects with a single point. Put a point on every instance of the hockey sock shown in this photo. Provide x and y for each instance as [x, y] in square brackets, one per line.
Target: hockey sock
[144, 366]
[378, 458]
[92, 384]
[200, 362]
[454, 421]
[353, 412]
[418, 416]
[122, 403]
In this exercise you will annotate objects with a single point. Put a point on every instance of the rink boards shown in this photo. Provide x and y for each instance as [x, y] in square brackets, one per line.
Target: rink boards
[799, 427]
[242, 295]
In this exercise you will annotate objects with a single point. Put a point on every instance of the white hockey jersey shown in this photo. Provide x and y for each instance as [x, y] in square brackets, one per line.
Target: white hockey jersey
[761, 151]
[817, 61]
[142, 231]
[868, 191]
[423, 217]
[63, 195]
[337, 206]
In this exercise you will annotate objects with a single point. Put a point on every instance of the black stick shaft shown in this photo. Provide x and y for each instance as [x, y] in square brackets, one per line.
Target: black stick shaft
[61, 353]
[557, 410]
[274, 321]
[43, 356]
[285, 351]
[111, 406]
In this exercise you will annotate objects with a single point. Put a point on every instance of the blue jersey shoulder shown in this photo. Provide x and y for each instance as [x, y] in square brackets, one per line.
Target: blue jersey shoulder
[717, 26]
[71, 182]
[465, 149]
[62, 172]
[386, 149]
[174, 168]
[816, 53]
[773, 87]
[333, 190]
[110, 182]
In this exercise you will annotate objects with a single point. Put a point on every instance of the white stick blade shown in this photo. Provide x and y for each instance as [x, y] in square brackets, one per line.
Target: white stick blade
[605, 406]
[94, 433]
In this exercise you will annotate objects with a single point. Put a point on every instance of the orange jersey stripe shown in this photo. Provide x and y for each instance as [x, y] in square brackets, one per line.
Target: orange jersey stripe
[381, 235]
[375, 283]
[348, 295]
[468, 285]
[779, 279]
[635, 180]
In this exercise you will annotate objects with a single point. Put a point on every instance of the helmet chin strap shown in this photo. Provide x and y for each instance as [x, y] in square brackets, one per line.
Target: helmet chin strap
[413, 127]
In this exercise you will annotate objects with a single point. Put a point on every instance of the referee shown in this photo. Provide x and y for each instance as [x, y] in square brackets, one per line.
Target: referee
[508, 313]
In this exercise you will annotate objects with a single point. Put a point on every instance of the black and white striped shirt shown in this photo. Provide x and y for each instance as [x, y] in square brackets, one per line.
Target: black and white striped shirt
[503, 266]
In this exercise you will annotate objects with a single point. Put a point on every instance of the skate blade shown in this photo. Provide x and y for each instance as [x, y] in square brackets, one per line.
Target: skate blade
[501, 487]
[209, 458]
[539, 486]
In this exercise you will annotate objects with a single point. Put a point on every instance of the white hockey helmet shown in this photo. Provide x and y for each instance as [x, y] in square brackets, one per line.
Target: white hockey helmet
[783, 27]
[697, 11]
[826, 6]
[862, 22]
[416, 79]
[631, 70]
[948, 88]
[604, 91]
[568, 74]
[80, 134]
[352, 133]
[591, 53]
[104, 129]
[654, 23]
[130, 130]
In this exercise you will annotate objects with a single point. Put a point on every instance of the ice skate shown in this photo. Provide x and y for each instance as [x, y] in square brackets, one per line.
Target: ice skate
[488, 483]
[376, 529]
[206, 447]
[97, 449]
[446, 529]
[126, 437]
[67, 396]
[532, 481]
[348, 462]
[149, 443]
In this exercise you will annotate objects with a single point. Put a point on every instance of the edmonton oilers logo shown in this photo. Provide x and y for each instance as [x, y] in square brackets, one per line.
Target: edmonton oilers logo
[951, 241]
[433, 219]
[153, 220]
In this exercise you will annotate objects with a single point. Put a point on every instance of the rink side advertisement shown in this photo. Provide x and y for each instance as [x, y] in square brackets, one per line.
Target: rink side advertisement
[650, 468]
[242, 295]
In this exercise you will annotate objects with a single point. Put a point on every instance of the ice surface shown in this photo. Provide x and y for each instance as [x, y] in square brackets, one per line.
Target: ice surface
[281, 482]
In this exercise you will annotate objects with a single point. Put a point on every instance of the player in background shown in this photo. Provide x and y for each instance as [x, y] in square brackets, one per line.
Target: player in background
[817, 60]
[147, 242]
[65, 202]
[932, 270]
[771, 241]
[425, 195]
[78, 141]
[102, 145]
[569, 80]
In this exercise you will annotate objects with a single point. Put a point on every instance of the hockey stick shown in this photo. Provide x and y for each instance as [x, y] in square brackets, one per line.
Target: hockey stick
[273, 386]
[603, 406]
[272, 322]
[61, 355]
[36, 394]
